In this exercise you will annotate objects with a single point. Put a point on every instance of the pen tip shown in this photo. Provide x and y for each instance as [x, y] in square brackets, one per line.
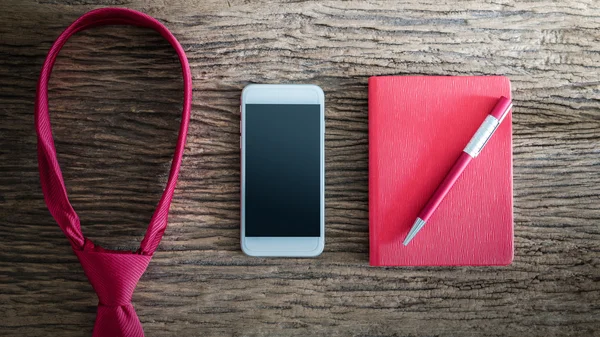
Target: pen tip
[419, 223]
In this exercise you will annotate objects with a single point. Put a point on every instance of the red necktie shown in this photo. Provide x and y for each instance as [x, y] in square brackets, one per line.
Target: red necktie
[113, 274]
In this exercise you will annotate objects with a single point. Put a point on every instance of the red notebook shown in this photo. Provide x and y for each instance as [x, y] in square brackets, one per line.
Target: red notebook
[418, 126]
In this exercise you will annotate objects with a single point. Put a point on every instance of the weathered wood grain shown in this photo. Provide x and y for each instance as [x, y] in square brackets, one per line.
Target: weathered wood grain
[115, 99]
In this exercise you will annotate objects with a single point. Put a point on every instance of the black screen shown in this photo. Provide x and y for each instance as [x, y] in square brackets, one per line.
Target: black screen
[283, 170]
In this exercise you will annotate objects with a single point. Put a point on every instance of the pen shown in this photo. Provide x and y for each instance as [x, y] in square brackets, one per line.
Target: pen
[481, 137]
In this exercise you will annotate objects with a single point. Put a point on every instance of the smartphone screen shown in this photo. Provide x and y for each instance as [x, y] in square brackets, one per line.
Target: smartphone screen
[282, 170]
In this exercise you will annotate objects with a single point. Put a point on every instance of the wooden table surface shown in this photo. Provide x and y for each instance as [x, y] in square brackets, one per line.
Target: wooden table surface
[115, 99]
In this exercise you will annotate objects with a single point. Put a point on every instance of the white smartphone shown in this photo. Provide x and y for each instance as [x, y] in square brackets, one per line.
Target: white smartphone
[282, 170]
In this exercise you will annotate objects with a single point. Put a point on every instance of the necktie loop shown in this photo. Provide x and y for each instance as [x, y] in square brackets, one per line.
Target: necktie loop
[113, 274]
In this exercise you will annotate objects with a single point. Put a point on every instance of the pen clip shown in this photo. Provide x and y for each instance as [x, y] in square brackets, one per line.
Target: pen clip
[494, 130]
[505, 113]
[484, 133]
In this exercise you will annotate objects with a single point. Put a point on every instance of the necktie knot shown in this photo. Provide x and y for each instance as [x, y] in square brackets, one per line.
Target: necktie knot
[113, 275]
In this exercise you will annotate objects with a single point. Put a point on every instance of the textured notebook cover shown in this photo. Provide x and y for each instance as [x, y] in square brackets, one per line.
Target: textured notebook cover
[418, 126]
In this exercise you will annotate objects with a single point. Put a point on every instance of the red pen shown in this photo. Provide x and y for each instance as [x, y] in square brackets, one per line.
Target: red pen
[481, 137]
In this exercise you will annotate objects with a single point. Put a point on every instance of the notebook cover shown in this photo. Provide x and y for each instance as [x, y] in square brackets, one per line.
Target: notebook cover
[418, 126]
